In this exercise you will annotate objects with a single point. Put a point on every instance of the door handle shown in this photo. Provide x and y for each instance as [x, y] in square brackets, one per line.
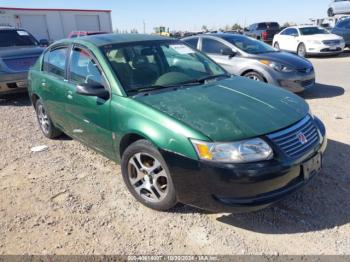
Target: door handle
[43, 83]
[70, 95]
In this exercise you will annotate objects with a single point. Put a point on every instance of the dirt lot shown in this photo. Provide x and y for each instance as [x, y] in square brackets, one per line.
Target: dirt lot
[70, 200]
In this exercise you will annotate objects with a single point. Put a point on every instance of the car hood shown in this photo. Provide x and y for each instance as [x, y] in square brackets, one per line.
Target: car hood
[232, 109]
[16, 51]
[322, 37]
[285, 58]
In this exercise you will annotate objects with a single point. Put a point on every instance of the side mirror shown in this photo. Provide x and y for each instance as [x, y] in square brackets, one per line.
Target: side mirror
[228, 52]
[92, 90]
[44, 42]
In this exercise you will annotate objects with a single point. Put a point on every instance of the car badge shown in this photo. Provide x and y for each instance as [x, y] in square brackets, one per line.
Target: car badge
[302, 138]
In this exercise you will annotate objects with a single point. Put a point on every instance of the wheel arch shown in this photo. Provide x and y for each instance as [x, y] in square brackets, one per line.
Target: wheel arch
[128, 139]
[34, 97]
[253, 71]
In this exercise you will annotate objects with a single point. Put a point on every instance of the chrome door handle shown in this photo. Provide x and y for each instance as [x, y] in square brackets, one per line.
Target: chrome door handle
[43, 83]
[70, 95]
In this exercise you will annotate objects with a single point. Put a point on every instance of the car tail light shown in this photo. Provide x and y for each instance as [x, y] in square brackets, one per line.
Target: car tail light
[264, 35]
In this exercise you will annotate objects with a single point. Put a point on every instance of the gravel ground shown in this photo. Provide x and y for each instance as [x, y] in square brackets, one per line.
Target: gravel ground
[70, 200]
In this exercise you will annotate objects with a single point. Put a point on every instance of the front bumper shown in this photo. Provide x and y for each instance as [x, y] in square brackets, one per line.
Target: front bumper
[325, 49]
[13, 83]
[236, 188]
[295, 81]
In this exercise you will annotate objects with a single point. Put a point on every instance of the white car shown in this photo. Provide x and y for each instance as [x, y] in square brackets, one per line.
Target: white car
[338, 7]
[308, 40]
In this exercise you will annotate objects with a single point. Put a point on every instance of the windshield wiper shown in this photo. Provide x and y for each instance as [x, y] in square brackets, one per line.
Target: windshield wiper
[203, 80]
[150, 88]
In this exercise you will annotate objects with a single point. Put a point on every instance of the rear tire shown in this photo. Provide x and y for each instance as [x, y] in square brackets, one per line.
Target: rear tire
[330, 12]
[147, 177]
[47, 127]
[255, 76]
[301, 51]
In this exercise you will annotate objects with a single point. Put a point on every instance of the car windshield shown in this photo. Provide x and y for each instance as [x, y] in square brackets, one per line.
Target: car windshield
[16, 38]
[249, 45]
[157, 64]
[313, 31]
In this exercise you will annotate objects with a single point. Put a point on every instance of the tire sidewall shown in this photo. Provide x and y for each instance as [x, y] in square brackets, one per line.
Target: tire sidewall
[255, 74]
[143, 146]
[52, 132]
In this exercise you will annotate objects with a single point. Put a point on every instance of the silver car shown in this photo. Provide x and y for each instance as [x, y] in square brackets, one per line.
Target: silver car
[337, 7]
[245, 56]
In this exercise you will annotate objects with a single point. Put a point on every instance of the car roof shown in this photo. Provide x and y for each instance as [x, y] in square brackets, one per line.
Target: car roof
[109, 39]
[219, 35]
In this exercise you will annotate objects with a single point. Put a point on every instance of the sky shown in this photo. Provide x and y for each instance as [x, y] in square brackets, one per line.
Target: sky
[189, 15]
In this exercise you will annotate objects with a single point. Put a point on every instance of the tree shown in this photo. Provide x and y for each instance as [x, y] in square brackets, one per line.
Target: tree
[236, 27]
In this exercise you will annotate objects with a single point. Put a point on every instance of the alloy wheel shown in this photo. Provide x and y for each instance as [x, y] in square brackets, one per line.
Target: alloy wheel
[43, 119]
[148, 178]
[302, 50]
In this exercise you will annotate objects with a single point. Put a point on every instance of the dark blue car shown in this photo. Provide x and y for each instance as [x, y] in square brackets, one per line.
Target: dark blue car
[342, 28]
[19, 50]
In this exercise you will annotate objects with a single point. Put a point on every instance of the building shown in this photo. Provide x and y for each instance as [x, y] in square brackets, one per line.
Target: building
[54, 24]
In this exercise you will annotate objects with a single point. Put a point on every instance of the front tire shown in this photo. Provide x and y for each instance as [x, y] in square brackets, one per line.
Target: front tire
[301, 51]
[147, 177]
[254, 76]
[277, 46]
[45, 122]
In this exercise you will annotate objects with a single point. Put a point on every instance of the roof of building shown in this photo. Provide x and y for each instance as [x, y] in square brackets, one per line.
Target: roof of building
[53, 9]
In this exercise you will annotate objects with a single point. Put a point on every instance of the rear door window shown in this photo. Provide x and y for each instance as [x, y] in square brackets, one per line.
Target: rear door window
[212, 46]
[55, 61]
[193, 42]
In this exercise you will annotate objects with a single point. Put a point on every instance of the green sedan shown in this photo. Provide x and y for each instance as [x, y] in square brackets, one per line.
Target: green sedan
[181, 127]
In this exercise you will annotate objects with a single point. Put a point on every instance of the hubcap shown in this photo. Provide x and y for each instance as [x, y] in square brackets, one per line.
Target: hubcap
[43, 119]
[302, 51]
[254, 77]
[148, 178]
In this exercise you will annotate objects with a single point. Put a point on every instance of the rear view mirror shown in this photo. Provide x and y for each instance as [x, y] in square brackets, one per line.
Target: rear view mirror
[44, 42]
[92, 90]
[228, 52]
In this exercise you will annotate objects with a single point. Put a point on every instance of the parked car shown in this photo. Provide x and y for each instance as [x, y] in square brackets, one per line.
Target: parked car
[75, 34]
[18, 52]
[338, 7]
[183, 129]
[245, 56]
[342, 29]
[309, 40]
[263, 31]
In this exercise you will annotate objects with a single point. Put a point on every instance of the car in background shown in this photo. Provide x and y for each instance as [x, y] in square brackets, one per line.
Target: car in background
[245, 56]
[264, 31]
[338, 7]
[342, 28]
[183, 129]
[76, 34]
[19, 50]
[309, 40]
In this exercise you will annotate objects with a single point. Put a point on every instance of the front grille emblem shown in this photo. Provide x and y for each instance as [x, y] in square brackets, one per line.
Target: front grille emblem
[302, 138]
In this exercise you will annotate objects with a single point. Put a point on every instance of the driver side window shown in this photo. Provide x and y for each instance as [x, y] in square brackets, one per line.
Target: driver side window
[212, 46]
[83, 69]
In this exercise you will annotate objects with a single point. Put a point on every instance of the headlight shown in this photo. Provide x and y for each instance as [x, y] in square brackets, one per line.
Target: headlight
[252, 150]
[314, 42]
[277, 66]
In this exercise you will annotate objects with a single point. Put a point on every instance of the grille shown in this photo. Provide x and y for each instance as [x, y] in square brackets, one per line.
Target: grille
[331, 42]
[307, 82]
[305, 70]
[298, 139]
[20, 64]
